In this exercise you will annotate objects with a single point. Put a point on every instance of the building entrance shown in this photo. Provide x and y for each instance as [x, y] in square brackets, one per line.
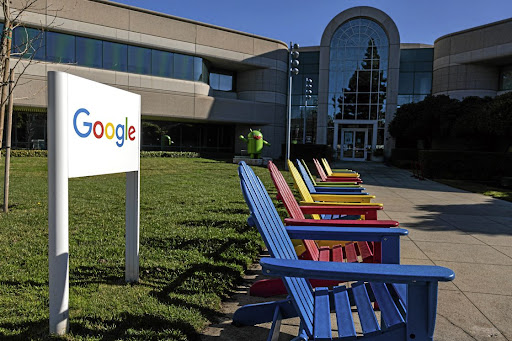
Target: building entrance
[354, 142]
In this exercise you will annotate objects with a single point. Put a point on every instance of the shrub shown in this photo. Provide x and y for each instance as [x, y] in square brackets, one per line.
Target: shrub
[27, 153]
[169, 154]
[44, 153]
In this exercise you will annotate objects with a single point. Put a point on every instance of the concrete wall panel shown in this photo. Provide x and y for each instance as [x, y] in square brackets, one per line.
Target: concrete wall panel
[162, 27]
[224, 40]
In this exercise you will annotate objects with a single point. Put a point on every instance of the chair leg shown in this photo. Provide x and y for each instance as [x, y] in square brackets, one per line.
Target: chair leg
[275, 329]
[252, 314]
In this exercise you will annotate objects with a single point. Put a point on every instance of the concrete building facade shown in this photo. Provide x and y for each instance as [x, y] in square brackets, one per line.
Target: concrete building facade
[256, 97]
[204, 85]
[474, 62]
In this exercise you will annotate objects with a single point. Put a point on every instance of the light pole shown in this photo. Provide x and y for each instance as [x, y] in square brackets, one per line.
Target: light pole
[307, 92]
[293, 62]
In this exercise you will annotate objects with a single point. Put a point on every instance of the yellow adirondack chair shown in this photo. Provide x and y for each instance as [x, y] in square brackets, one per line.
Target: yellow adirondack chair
[341, 172]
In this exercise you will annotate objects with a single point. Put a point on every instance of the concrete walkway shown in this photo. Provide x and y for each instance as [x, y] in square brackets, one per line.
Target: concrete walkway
[469, 233]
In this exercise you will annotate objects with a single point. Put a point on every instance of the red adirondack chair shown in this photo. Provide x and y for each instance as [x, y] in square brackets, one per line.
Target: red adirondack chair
[360, 251]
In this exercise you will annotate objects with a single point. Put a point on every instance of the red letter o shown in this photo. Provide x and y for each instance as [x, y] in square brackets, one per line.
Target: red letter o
[97, 123]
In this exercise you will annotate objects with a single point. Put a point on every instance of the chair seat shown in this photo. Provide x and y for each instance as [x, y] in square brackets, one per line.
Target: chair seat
[347, 253]
[358, 296]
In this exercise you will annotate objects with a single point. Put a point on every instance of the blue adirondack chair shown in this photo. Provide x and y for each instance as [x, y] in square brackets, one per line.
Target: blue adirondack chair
[407, 306]
[326, 190]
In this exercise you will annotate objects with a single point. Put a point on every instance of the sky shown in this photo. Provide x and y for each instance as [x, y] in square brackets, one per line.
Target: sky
[303, 22]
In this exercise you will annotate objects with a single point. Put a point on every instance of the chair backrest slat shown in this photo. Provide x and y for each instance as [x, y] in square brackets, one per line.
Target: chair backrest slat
[292, 207]
[301, 186]
[279, 245]
[327, 166]
[309, 172]
[320, 170]
[284, 192]
[305, 177]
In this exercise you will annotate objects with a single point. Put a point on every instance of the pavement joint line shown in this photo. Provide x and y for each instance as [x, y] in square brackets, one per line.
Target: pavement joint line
[487, 293]
[492, 246]
[459, 327]
[481, 312]
[458, 262]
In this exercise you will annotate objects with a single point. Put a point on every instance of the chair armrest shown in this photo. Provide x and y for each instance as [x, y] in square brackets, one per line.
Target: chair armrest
[341, 222]
[335, 191]
[342, 198]
[371, 234]
[345, 174]
[326, 203]
[346, 209]
[394, 273]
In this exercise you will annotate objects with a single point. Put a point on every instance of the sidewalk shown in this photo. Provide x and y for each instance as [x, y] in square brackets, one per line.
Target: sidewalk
[469, 233]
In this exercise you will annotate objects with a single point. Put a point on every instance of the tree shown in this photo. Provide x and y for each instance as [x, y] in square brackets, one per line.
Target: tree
[22, 56]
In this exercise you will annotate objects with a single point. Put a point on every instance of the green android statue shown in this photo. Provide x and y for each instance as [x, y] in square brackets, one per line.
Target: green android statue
[255, 143]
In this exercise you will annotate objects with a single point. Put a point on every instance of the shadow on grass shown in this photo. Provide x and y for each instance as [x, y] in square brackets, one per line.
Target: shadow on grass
[124, 326]
[134, 327]
[237, 226]
[104, 274]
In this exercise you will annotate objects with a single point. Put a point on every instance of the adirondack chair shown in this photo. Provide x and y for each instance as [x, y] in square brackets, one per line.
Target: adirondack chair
[320, 250]
[326, 190]
[330, 171]
[306, 194]
[336, 187]
[345, 173]
[406, 294]
[324, 177]
[327, 184]
[325, 212]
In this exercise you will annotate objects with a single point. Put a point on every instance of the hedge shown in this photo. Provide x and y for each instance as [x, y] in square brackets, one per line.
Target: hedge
[465, 165]
[44, 153]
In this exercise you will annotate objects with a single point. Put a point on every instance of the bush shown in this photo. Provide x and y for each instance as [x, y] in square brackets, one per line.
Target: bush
[44, 153]
[480, 123]
[444, 164]
[169, 154]
[27, 153]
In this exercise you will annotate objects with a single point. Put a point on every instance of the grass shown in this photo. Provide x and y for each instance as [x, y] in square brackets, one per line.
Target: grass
[475, 187]
[194, 246]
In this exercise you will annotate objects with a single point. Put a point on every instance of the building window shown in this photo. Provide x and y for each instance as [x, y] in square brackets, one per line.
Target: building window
[161, 63]
[139, 60]
[358, 71]
[221, 81]
[506, 78]
[65, 48]
[115, 56]
[89, 52]
[60, 48]
[29, 43]
[415, 81]
[183, 67]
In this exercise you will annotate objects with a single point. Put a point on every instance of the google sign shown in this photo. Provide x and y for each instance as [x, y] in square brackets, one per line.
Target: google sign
[93, 129]
[99, 129]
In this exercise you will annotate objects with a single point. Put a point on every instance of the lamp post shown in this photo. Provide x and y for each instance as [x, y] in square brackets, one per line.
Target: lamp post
[307, 93]
[292, 71]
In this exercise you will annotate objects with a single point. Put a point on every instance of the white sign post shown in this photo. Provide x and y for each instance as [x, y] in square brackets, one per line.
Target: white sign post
[93, 129]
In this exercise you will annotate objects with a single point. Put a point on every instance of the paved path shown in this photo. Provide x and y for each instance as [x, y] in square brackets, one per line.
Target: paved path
[469, 233]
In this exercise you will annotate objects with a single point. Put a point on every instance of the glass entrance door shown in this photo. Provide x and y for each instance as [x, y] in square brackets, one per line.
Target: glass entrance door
[354, 144]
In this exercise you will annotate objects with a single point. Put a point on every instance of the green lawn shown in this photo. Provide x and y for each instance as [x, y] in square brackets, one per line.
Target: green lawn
[194, 246]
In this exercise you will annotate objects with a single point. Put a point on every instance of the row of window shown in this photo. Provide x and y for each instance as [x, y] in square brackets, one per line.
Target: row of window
[82, 51]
